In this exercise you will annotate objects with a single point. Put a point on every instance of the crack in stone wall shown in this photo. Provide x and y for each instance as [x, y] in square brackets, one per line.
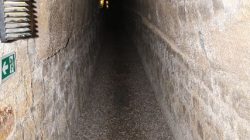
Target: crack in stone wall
[53, 71]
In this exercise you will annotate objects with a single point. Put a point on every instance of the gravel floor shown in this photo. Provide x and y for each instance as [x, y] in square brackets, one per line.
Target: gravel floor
[121, 104]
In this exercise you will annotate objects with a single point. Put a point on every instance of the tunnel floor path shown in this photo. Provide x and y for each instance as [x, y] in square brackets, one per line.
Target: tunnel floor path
[121, 104]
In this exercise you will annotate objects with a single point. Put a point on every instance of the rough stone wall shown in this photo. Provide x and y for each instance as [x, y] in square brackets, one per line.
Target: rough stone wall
[43, 99]
[196, 54]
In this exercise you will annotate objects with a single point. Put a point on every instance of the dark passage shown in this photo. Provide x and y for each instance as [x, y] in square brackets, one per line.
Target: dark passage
[121, 104]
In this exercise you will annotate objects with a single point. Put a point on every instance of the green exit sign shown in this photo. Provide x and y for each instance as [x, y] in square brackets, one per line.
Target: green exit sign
[8, 66]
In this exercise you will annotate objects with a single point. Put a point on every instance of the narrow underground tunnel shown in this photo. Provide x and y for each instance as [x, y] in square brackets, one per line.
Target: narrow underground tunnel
[121, 103]
[125, 70]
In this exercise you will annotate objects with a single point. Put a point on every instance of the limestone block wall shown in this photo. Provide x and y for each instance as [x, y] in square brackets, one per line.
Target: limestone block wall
[43, 99]
[196, 54]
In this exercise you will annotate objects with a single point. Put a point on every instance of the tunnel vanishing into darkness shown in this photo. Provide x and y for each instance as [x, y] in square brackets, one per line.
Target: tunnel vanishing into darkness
[132, 70]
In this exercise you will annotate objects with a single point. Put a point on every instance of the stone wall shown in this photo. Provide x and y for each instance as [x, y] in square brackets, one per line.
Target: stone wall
[43, 99]
[196, 54]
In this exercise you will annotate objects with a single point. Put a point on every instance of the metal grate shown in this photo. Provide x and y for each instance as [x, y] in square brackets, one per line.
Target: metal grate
[16, 20]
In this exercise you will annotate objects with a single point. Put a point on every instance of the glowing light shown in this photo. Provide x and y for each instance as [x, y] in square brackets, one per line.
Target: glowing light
[104, 4]
[107, 4]
[101, 3]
